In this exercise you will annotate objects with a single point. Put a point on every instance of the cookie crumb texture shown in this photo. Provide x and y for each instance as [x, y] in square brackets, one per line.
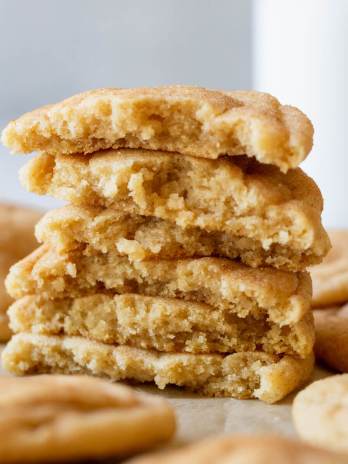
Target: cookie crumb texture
[284, 296]
[320, 413]
[189, 120]
[163, 324]
[63, 418]
[241, 375]
[278, 214]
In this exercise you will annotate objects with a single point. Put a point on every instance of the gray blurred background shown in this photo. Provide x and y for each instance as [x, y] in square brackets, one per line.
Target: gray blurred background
[51, 49]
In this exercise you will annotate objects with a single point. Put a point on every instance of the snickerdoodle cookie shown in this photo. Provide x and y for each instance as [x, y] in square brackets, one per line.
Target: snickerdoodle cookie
[16, 241]
[284, 297]
[331, 346]
[244, 449]
[188, 120]
[240, 375]
[278, 214]
[163, 324]
[330, 278]
[320, 413]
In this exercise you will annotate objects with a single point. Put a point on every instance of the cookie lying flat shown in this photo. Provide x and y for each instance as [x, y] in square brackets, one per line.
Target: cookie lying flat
[144, 237]
[16, 241]
[330, 278]
[283, 296]
[244, 449]
[63, 418]
[163, 324]
[240, 375]
[320, 413]
[277, 211]
[190, 120]
[331, 346]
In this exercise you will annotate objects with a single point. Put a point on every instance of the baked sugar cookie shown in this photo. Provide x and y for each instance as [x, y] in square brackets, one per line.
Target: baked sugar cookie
[277, 212]
[189, 120]
[146, 237]
[244, 449]
[163, 324]
[285, 297]
[331, 346]
[16, 241]
[239, 375]
[320, 413]
[63, 418]
[330, 278]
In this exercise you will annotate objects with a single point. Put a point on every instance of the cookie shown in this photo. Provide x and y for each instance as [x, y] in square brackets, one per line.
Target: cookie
[243, 198]
[284, 297]
[244, 449]
[163, 324]
[144, 237]
[331, 346]
[188, 120]
[330, 278]
[320, 413]
[16, 241]
[63, 418]
[240, 375]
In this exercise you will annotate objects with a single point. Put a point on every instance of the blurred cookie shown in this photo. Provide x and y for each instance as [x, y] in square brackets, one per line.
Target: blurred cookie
[278, 215]
[331, 346]
[320, 413]
[16, 241]
[243, 449]
[330, 278]
[189, 120]
[59, 418]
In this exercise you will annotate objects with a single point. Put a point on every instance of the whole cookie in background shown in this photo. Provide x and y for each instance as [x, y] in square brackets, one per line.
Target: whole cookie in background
[16, 241]
[320, 413]
[331, 346]
[330, 278]
[62, 418]
[239, 449]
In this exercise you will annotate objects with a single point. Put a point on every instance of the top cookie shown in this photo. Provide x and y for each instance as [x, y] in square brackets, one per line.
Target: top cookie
[188, 120]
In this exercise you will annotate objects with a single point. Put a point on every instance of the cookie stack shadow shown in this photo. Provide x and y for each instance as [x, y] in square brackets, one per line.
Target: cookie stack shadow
[181, 257]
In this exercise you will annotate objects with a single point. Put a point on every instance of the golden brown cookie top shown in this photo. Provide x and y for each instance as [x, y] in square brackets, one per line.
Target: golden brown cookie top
[243, 449]
[189, 120]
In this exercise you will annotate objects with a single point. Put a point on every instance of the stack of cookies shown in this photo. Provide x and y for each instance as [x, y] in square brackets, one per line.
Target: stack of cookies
[181, 257]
